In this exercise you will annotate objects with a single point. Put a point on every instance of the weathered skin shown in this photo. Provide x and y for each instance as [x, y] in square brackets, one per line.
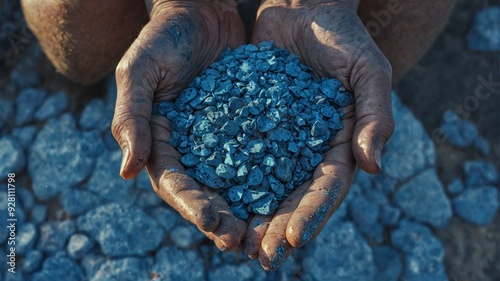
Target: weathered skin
[84, 40]
[184, 37]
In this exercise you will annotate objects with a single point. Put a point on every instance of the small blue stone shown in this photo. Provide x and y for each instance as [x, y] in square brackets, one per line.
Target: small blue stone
[59, 267]
[225, 171]
[330, 87]
[265, 124]
[484, 34]
[316, 159]
[269, 161]
[283, 169]
[201, 150]
[25, 135]
[239, 211]
[256, 146]
[215, 159]
[190, 160]
[207, 175]
[343, 98]
[235, 193]
[255, 176]
[242, 171]
[201, 128]
[319, 128]
[265, 206]
[251, 195]
[276, 185]
[208, 84]
[231, 128]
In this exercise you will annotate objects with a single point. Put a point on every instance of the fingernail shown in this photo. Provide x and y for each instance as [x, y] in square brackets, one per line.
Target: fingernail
[126, 155]
[377, 155]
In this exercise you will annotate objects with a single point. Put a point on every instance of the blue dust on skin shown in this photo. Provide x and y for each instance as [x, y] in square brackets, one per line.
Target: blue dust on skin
[312, 222]
[278, 257]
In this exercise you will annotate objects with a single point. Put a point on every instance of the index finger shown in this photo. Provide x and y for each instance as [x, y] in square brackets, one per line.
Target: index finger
[173, 185]
[132, 114]
[331, 183]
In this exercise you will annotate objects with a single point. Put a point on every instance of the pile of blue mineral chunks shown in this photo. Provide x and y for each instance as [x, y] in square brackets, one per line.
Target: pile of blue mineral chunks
[254, 125]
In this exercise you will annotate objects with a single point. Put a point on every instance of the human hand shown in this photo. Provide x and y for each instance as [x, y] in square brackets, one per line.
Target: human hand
[181, 39]
[329, 37]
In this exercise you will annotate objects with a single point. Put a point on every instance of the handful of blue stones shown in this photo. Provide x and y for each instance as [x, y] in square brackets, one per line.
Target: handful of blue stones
[254, 125]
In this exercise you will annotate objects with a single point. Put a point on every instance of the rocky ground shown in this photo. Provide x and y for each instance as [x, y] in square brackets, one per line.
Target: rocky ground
[78, 220]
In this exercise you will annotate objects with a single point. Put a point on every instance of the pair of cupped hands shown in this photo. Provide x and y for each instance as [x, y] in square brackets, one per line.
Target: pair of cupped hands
[183, 38]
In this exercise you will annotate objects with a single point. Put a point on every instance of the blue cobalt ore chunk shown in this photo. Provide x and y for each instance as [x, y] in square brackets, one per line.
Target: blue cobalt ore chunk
[239, 210]
[255, 176]
[52, 106]
[424, 252]
[265, 205]
[31, 261]
[190, 160]
[27, 199]
[39, 213]
[479, 173]
[59, 158]
[26, 238]
[12, 158]
[256, 107]
[25, 135]
[283, 170]
[59, 267]
[353, 258]
[172, 263]
[388, 263]
[477, 205]
[115, 226]
[265, 124]
[78, 201]
[27, 103]
[225, 171]
[78, 245]
[455, 187]
[235, 193]
[251, 195]
[423, 199]
[330, 87]
[127, 268]
[207, 176]
[53, 235]
[210, 140]
[485, 32]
